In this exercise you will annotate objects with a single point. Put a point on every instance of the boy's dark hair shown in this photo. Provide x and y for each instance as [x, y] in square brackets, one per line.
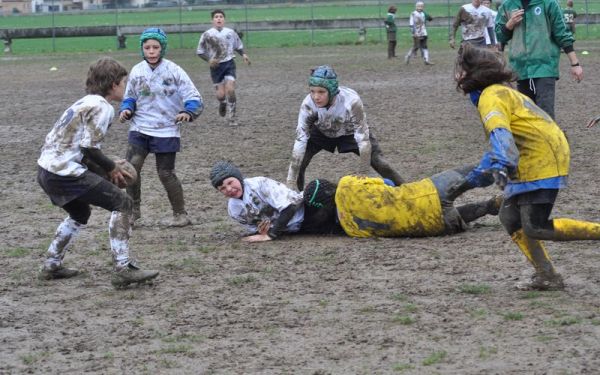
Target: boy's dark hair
[478, 68]
[102, 74]
[319, 207]
[216, 11]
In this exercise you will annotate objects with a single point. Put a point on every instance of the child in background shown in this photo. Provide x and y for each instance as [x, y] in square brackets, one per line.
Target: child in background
[332, 117]
[570, 14]
[417, 21]
[390, 26]
[492, 42]
[267, 208]
[77, 136]
[217, 46]
[159, 98]
[529, 159]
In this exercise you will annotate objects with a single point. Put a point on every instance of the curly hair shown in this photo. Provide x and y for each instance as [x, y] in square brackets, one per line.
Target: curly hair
[478, 68]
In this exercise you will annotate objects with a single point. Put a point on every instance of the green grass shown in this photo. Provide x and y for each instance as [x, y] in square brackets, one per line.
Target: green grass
[474, 289]
[513, 316]
[16, 252]
[237, 17]
[434, 358]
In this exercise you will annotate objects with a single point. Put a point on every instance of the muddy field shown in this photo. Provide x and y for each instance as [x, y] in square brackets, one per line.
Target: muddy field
[303, 304]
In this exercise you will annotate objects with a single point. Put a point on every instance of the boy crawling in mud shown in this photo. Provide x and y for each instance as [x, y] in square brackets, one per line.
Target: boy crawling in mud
[332, 117]
[75, 140]
[267, 208]
[358, 206]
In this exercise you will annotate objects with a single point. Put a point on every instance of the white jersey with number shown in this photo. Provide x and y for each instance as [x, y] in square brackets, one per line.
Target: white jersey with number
[219, 44]
[82, 125]
[159, 96]
[264, 199]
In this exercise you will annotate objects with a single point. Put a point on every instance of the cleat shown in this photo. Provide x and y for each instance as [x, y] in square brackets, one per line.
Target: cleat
[233, 122]
[131, 274]
[59, 272]
[406, 59]
[428, 63]
[177, 220]
[222, 109]
[541, 281]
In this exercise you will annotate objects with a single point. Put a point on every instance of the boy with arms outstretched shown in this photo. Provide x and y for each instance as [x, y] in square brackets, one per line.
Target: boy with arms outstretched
[76, 138]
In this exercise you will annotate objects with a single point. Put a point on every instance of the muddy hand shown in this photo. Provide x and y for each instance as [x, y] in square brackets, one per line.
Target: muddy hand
[125, 115]
[264, 226]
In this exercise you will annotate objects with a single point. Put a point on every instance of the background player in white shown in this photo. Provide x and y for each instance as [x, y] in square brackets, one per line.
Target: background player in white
[473, 20]
[332, 117]
[217, 46]
[491, 40]
[418, 19]
[75, 140]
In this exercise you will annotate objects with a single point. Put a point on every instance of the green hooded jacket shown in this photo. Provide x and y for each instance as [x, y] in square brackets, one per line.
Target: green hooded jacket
[535, 43]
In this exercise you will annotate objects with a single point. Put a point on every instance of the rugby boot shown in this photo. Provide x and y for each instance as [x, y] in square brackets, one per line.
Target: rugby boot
[57, 272]
[177, 220]
[494, 204]
[131, 274]
[543, 281]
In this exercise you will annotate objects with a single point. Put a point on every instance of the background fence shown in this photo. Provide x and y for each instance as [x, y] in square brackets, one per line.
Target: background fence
[263, 23]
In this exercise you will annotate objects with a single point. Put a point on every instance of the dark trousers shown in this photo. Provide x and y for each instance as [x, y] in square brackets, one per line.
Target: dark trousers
[541, 91]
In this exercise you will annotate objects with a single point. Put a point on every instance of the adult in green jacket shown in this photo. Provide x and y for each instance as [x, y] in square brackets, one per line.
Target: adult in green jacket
[536, 30]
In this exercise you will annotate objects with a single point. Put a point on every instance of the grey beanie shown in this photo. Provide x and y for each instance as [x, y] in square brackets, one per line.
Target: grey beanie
[222, 170]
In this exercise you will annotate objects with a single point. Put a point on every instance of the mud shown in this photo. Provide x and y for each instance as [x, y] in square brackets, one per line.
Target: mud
[303, 304]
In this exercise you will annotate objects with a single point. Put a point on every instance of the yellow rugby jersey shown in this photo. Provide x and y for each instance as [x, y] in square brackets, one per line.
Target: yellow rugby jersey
[543, 149]
[368, 208]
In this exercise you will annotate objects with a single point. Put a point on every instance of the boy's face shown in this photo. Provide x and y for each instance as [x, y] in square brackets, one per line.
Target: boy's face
[487, 4]
[218, 21]
[419, 7]
[231, 188]
[319, 95]
[118, 90]
[151, 49]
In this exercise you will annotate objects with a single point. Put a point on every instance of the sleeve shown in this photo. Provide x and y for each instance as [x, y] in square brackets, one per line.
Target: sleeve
[280, 225]
[428, 17]
[558, 28]
[192, 100]
[238, 45]
[457, 21]
[388, 21]
[201, 49]
[234, 212]
[302, 136]
[96, 124]
[503, 35]
[361, 136]
[411, 24]
[503, 154]
[277, 195]
[130, 100]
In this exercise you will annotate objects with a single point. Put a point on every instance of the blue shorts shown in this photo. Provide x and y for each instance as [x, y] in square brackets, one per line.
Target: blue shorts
[223, 70]
[154, 145]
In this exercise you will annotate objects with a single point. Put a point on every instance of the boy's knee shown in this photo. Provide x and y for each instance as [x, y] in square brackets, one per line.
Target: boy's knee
[166, 175]
[81, 216]
[511, 221]
[537, 232]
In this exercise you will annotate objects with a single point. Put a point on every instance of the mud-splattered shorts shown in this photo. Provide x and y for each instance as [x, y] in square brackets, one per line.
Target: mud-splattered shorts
[222, 72]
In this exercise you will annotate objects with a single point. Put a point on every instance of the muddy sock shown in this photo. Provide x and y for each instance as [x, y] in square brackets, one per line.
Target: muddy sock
[535, 252]
[231, 104]
[174, 190]
[119, 230]
[66, 231]
[573, 230]
[473, 211]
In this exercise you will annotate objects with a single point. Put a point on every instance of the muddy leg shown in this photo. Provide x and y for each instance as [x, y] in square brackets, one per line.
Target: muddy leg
[136, 156]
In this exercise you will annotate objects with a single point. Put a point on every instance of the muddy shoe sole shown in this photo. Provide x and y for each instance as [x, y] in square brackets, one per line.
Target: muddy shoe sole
[60, 273]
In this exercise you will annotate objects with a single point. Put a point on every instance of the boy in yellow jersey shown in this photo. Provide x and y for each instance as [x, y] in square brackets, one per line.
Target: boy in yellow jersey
[369, 207]
[529, 159]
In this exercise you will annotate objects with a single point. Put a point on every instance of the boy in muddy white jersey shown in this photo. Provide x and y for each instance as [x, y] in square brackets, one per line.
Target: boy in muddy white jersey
[330, 118]
[74, 143]
[217, 46]
[159, 98]
[266, 208]
[474, 21]
[418, 19]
